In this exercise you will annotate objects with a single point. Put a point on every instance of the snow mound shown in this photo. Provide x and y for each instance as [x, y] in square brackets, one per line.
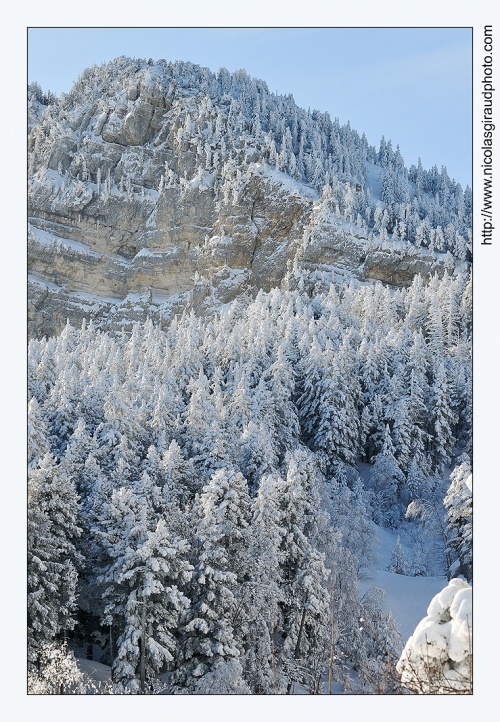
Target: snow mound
[437, 658]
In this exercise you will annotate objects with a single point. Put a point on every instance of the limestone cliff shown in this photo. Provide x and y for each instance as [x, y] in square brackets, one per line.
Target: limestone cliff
[152, 190]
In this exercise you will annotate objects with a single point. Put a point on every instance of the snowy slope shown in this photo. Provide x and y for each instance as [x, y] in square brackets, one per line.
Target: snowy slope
[407, 597]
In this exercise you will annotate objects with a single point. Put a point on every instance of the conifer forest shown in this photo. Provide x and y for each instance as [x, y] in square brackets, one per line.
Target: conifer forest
[212, 462]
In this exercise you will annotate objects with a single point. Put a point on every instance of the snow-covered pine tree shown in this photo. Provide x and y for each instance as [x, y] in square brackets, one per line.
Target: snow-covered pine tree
[53, 560]
[281, 385]
[305, 578]
[442, 420]
[258, 454]
[61, 408]
[398, 564]
[458, 504]
[38, 443]
[204, 434]
[212, 627]
[142, 583]
[386, 479]
[327, 406]
[350, 516]
[178, 478]
[263, 637]
[402, 434]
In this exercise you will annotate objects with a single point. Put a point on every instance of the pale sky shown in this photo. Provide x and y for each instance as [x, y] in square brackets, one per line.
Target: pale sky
[412, 85]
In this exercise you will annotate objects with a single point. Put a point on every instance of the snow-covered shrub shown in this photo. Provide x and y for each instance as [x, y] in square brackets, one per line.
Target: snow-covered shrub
[416, 565]
[437, 659]
[57, 672]
[224, 677]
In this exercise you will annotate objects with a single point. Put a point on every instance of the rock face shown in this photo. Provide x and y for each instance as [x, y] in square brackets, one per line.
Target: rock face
[131, 213]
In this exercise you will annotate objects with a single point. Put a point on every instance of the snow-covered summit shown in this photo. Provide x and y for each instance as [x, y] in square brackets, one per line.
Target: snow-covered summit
[161, 158]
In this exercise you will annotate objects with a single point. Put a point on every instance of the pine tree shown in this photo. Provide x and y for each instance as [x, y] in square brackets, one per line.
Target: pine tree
[61, 405]
[281, 386]
[416, 305]
[417, 382]
[210, 660]
[328, 406]
[178, 477]
[435, 330]
[52, 557]
[258, 454]
[402, 432]
[80, 446]
[414, 482]
[204, 433]
[458, 504]
[305, 577]
[386, 479]
[350, 516]
[142, 583]
[398, 564]
[38, 443]
[442, 420]
[374, 419]
[460, 377]
[262, 670]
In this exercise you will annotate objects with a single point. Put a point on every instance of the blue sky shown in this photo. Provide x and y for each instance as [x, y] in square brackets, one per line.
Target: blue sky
[412, 85]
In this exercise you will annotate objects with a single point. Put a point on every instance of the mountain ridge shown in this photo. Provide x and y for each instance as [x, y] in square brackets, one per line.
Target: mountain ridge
[161, 185]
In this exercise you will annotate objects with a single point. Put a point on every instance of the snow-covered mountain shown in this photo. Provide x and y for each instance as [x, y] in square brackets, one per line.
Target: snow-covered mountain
[159, 186]
[264, 494]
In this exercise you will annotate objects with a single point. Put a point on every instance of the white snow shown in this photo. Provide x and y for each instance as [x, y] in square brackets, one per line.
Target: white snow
[48, 239]
[202, 180]
[156, 253]
[93, 299]
[33, 278]
[407, 597]
[285, 180]
[97, 671]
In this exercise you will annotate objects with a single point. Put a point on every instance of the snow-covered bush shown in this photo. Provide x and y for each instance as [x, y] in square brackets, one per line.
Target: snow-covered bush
[57, 672]
[437, 659]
